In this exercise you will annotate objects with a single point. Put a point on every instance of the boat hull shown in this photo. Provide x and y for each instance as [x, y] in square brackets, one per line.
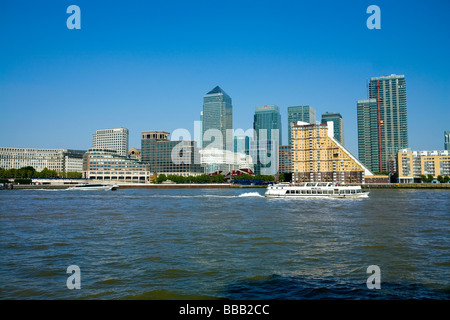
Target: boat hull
[94, 187]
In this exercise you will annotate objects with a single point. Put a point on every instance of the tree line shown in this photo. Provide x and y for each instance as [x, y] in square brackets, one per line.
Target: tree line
[429, 178]
[30, 172]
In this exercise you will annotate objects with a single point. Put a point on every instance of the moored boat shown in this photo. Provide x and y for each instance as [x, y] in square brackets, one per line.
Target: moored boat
[314, 190]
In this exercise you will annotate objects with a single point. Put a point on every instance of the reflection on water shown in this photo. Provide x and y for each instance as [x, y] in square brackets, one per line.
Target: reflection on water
[223, 243]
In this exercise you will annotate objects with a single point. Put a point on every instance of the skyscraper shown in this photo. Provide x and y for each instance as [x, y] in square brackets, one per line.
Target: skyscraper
[300, 113]
[336, 118]
[384, 116]
[447, 140]
[368, 133]
[267, 130]
[217, 114]
[113, 139]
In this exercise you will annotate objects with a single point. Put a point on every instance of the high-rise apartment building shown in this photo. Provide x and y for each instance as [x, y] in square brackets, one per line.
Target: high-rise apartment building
[267, 130]
[317, 156]
[300, 113]
[338, 124]
[447, 140]
[165, 156]
[111, 139]
[217, 114]
[384, 115]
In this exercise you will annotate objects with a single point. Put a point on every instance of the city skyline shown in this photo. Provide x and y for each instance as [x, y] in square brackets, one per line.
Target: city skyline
[68, 84]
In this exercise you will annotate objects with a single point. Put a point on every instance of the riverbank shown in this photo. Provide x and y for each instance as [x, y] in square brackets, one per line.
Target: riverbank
[227, 185]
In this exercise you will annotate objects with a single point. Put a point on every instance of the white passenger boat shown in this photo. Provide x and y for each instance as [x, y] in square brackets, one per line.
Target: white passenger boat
[92, 186]
[314, 190]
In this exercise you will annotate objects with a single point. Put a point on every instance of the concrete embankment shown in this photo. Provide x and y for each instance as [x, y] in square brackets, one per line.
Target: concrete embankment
[227, 185]
[407, 185]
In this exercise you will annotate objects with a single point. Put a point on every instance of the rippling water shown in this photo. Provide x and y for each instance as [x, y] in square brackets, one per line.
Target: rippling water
[223, 244]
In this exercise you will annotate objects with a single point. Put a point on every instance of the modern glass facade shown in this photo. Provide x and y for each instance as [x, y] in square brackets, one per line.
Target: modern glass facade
[368, 133]
[300, 113]
[267, 130]
[336, 118]
[217, 114]
[242, 144]
[447, 140]
[169, 157]
[390, 94]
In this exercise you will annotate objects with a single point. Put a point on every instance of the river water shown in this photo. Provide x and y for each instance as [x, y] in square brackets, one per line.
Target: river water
[223, 244]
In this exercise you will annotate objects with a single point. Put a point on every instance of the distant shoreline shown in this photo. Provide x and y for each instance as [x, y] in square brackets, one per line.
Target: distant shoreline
[225, 185]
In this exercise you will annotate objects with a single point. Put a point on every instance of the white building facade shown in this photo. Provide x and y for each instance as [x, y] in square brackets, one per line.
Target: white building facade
[61, 160]
[112, 139]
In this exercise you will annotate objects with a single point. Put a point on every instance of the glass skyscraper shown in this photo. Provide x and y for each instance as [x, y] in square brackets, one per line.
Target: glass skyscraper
[300, 113]
[217, 114]
[447, 140]
[336, 118]
[267, 130]
[382, 122]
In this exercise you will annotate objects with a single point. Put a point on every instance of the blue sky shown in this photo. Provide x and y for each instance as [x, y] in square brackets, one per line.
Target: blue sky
[146, 65]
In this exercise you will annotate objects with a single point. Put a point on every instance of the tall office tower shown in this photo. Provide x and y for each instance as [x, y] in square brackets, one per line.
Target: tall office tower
[217, 114]
[112, 139]
[317, 156]
[267, 131]
[338, 124]
[165, 156]
[447, 140]
[390, 121]
[242, 144]
[368, 133]
[300, 113]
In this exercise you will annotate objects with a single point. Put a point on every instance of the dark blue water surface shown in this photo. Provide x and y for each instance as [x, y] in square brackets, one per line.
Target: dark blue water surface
[223, 244]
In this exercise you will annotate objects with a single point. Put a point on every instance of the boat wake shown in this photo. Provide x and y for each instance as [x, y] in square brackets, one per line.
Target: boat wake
[251, 194]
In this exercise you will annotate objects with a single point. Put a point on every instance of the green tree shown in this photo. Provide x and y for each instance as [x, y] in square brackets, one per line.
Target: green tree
[446, 179]
[161, 178]
[430, 178]
[218, 178]
[281, 177]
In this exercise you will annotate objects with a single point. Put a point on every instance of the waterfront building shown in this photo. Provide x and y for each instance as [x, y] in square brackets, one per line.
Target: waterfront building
[61, 160]
[413, 164]
[338, 124]
[109, 165]
[285, 159]
[382, 122]
[267, 131]
[165, 156]
[217, 114]
[225, 161]
[112, 139]
[318, 157]
[242, 144]
[447, 140]
[300, 113]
